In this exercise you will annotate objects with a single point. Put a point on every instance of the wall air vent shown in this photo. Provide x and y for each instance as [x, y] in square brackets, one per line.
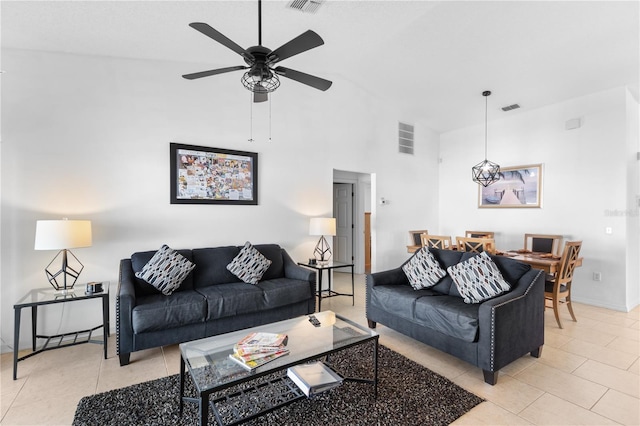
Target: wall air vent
[510, 107]
[309, 6]
[405, 138]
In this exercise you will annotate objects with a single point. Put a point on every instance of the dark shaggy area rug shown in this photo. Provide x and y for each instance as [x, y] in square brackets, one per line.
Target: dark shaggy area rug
[408, 394]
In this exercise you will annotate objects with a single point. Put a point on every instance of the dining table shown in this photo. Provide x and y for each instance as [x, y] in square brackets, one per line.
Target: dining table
[549, 264]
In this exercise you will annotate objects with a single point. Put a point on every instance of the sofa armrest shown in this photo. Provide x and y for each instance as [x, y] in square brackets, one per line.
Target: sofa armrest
[512, 325]
[125, 302]
[294, 271]
[391, 277]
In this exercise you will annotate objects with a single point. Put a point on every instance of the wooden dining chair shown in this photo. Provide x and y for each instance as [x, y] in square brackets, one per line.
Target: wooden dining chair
[476, 245]
[542, 243]
[558, 290]
[414, 236]
[479, 234]
[436, 241]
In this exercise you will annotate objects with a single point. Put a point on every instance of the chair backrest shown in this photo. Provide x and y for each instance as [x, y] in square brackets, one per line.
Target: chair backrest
[542, 243]
[479, 234]
[414, 236]
[436, 241]
[476, 245]
[570, 256]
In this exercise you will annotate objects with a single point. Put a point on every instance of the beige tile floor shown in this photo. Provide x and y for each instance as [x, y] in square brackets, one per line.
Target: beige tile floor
[588, 373]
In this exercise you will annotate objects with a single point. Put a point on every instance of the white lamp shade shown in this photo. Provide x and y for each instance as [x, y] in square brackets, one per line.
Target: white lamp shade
[62, 234]
[322, 226]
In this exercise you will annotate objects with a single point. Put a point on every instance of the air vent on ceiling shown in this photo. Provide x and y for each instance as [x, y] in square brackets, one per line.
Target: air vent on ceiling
[510, 107]
[309, 6]
[405, 138]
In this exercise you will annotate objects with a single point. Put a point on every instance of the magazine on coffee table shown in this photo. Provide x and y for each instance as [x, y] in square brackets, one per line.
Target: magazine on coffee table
[253, 363]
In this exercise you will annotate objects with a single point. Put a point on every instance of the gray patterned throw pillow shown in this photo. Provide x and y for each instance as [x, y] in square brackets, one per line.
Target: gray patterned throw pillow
[478, 279]
[166, 270]
[423, 270]
[249, 265]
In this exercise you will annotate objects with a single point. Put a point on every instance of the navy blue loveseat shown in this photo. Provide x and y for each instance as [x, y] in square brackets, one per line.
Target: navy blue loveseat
[489, 335]
[210, 301]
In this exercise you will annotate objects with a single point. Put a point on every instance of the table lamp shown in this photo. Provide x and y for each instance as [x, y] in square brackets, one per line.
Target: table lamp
[63, 235]
[322, 226]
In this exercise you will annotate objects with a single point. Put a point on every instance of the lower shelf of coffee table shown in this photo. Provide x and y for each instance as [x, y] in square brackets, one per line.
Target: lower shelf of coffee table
[254, 400]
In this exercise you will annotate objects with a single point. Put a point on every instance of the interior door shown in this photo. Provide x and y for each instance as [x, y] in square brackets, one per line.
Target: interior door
[343, 212]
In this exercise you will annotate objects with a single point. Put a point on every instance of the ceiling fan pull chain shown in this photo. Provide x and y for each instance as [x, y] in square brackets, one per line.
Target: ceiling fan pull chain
[251, 118]
[270, 97]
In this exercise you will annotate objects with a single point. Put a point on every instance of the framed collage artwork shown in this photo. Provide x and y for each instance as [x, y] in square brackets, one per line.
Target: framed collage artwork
[204, 175]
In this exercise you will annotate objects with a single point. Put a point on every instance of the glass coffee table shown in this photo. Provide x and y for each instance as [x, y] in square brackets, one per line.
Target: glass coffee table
[212, 371]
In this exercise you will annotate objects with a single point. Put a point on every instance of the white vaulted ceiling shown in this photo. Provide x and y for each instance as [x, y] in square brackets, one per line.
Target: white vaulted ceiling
[431, 59]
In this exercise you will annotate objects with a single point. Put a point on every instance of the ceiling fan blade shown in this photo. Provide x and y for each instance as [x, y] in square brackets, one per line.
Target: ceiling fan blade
[207, 30]
[302, 43]
[213, 72]
[309, 80]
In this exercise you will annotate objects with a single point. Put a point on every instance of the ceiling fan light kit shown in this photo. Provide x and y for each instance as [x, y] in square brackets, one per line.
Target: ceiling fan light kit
[485, 172]
[261, 77]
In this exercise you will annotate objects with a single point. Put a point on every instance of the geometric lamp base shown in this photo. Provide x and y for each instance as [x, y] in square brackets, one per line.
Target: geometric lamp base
[322, 252]
[72, 270]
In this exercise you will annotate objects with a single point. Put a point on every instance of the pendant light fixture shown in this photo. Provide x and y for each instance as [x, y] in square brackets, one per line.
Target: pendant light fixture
[486, 172]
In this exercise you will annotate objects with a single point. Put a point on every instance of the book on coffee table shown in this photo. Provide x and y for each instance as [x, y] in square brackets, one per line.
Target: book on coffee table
[314, 378]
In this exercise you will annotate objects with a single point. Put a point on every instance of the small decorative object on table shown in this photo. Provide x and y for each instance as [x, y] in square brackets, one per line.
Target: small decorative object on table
[257, 349]
[314, 378]
[93, 287]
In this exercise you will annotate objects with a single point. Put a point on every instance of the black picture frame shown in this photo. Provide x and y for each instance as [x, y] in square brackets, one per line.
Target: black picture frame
[206, 175]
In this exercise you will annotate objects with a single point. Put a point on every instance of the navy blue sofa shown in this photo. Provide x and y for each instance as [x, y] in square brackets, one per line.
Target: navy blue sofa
[210, 301]
[489, 335]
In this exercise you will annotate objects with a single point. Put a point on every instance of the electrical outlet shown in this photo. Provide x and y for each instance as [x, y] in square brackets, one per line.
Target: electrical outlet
[597, 276]
[608, 230]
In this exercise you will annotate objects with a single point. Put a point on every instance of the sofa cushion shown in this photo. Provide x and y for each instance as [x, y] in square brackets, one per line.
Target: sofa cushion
[446, 258]
[225, 300]
[249, 265]
[166, 270]
[273, 252]
[448, 315]
[139, 259]
[512, 270]
[423, 270]
[157, 312]
[478, 279]
[212, 265]
[399, 299]
[285, 291]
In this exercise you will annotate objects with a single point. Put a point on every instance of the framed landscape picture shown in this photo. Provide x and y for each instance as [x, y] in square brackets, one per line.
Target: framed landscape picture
[203, 175]
[518, 187]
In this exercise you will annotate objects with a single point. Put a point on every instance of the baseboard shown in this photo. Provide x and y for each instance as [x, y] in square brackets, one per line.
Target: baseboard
[600, 304]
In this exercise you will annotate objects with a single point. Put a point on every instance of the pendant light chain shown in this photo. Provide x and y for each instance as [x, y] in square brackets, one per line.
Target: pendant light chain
[486, 172]
[486, 99]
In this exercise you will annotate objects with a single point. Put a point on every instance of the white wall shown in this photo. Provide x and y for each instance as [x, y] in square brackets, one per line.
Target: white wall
[584, 178]
[88, 138]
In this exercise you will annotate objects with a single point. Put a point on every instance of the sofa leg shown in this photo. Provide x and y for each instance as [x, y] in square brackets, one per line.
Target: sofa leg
[536, 353]
[490, 377]
[124, 358]
[372, 324]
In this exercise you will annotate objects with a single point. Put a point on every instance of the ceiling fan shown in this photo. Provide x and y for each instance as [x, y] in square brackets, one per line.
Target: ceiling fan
[261, 77]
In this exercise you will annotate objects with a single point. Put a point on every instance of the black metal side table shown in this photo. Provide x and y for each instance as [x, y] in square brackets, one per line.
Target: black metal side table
[330, 292]
[48, 296]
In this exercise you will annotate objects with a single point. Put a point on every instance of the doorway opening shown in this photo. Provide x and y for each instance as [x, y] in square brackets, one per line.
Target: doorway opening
[355, 219]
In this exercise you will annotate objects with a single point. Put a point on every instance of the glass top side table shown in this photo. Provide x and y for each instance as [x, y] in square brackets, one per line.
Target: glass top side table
[322, 294]
[48, 296]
